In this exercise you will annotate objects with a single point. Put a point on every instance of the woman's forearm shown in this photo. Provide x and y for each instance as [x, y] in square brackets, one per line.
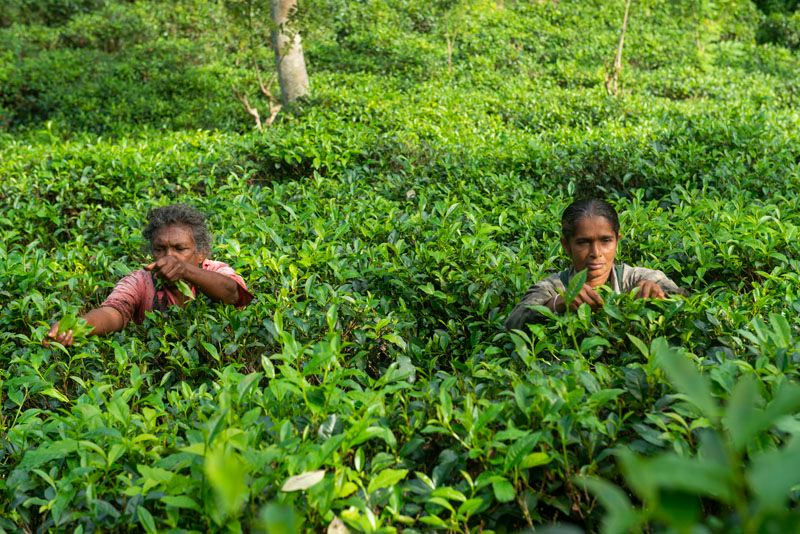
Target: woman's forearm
[214, 285]
[104, 320]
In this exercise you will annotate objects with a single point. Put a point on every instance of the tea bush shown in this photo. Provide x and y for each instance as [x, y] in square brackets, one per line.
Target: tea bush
[781, 29]
[387, 225]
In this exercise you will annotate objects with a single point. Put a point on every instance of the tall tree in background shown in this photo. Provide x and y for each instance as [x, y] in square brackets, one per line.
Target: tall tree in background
[289, 59]
[259, 19]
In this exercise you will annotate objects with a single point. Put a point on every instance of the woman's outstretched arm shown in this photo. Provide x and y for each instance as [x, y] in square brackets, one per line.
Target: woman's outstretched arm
[104, 320]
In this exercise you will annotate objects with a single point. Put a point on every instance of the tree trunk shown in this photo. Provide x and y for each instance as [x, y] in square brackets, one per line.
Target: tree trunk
[289, 60]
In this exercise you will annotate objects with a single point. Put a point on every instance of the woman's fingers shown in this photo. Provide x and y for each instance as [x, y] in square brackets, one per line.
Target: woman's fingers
[51, 334]
[644, 291]
[588, 295]
[591, 297]
[65, 338]
[68, 340]
[53, 329]
[650, 290]
[168, 268]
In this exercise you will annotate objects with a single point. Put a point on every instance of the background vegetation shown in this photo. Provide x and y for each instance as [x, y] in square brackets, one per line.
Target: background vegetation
[388, 224]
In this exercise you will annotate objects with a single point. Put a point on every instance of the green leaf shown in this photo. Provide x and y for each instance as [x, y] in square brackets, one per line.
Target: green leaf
[246, 383]
[279, 519]
[46, 453]
[227, 473]
[184, 288]
[589, 343]
[397, 340]
[67, 323]
[180, 501]
[386, 478]
[673, 472]
[782, 332]
[331, 316]
[488, 415]
[620, 515]
[375, 432]
[639, 345]
[443, 503]
[535, 459]
[445, 405]
[433, 521]
[686, 378]
[469, 506]
[575, 286]
[773, 474]
[449, 493]
[266, 364]
[211, 349]
[53, 392]
[503, 490]
[785, 402]
[146, 520]
[741, 415]
[519, 449]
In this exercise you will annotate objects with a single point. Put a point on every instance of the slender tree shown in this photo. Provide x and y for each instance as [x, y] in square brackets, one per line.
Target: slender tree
[289, 59]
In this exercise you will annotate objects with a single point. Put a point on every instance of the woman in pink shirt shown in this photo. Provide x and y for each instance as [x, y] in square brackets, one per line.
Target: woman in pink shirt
[179, 241]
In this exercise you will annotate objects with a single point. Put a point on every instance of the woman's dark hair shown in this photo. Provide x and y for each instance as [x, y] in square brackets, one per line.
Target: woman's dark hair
[590, 207]
[179, 214]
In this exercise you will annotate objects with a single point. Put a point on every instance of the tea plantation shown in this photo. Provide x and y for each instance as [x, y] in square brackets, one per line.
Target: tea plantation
[387, 224]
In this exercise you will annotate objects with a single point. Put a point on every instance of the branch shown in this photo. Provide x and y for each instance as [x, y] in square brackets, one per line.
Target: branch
[612, 75]
[618, 59]
[251, 110]
[272, 102]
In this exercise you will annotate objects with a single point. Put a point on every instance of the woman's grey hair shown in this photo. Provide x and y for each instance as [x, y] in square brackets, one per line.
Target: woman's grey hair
[590, 207]
[179, 214]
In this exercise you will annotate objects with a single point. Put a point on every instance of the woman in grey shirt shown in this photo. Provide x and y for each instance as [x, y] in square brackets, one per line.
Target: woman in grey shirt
[589, 235]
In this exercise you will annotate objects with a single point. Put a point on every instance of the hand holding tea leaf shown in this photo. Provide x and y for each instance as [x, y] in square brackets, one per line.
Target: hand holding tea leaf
[69, 330]
[169, 268]
[181, 274]
[173, 270]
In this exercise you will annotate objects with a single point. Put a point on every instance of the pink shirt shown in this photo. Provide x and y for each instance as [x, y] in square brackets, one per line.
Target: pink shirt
[136, 294]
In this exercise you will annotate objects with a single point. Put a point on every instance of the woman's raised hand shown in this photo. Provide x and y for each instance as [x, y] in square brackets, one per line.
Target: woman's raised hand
[649, 290]
[65, 338]
[587, 294]
[169, 268]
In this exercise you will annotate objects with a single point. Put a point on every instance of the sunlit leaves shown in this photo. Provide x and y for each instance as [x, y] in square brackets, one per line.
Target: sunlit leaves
[303, 481]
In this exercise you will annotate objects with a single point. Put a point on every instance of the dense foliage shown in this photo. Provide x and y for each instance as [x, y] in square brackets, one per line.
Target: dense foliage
[388, 225]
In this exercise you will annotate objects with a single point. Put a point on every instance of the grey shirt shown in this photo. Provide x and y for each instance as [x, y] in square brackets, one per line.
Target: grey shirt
[542, 293]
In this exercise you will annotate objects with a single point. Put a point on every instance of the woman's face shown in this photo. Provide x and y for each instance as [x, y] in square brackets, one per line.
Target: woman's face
[593, 248]
[176, 240]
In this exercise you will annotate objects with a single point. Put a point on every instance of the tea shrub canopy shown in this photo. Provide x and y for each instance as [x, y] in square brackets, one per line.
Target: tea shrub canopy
[388, 224]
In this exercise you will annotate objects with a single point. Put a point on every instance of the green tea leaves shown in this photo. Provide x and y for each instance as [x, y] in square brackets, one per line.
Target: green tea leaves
[386, 478]
[687, 379]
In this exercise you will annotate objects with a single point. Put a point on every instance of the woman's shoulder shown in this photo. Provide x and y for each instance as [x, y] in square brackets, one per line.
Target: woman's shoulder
[215, 266]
